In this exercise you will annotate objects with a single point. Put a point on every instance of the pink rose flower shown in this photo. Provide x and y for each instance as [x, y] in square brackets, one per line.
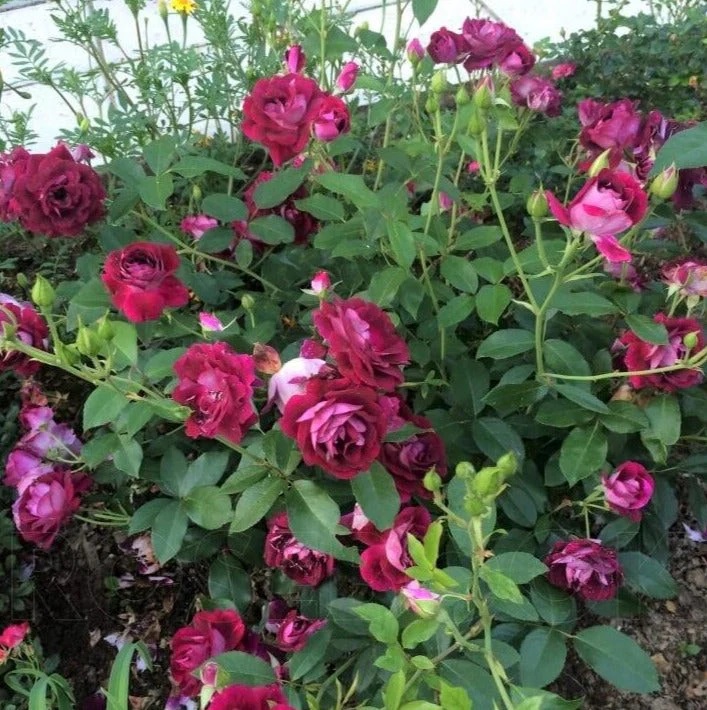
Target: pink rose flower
[629, 489]
[332, 119]
[563, 70]
[47, 503]
[608, 246]
[608, 125]
[300, 563]
[197, 224]
[294, 631]
[13, 635]
[321, 282]
[487, 42]
[689, 278]
[292, 379]
[248, 697]
[520, 60]
[295, 59]
[536, 93]
[445, 201]
[29, 328]
[585, 568]
[347, 77]
[217, 385]
[363, 342]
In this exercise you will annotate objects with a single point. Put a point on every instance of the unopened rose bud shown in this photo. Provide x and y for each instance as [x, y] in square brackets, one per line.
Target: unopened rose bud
[210, 323]
[363, 27]
[464, 469]
[196, 192]
[248, 302]
[321, 282]
[487, 482]
[347, 76]
[438, 84]
[507, 464]
[87, 342]
[476, 124]
[462, 97]
[432, 481]
[42, 293]
[22, 280]
[601, 162]
[537, 205]
[665, 183]
[67, 354]
[105, 329]
[432, 104]
[420, 600]
[295, 59]
[267, 359]
[84, 125]
[415, 51]
[690, 340]
[483, 96]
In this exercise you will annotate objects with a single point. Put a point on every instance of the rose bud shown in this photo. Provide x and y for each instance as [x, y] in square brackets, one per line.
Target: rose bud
[321, 281]
[332, 120]
[347, 77]
[628, 489]
[420, 600]
[484, 93]
[438, 83]
[445, 201]
[295, 59]
[562, 71]
[601, 162]
[266, 358]
[537, 205]
[210, 323]
[42, 293]
[196, 225]
[295, 630]
[415, 51]
[665, 183]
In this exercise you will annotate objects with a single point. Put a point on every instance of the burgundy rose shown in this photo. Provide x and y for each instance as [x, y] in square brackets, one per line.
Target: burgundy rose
[209, 634]
[140, 280]
[408, 461]
[487, 42]
[446, 47]
[216, 383]
[28, 327]
[383, 564]
[10, 164]
[637, 354]
[248, 697]
[302, 222]
[520, 60]
[536, 93]
[363, 342]
[585, 568]
[629, 489]
[279, 112]
[608, 125]
[338, 426]
[294, 631]
[608, 204]
[52, 194]
[332, 119]
[297, 561]
[47, 503]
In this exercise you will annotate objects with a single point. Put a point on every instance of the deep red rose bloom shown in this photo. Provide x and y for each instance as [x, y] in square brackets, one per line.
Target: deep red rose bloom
[209, 634]
[52, 194]
[247, 697]
[447, 47]
[141, 282]
[279, 112]
[628, 489]
[363, 342]
[585, 568]
[295, 629]
[536, 93]
[29, 328]
[383, 564]
[487, 42]
[338, 426]
[332, 119]
[637, 354]
[217, 384]
[302, 222]
[48, 502]
[297, 561]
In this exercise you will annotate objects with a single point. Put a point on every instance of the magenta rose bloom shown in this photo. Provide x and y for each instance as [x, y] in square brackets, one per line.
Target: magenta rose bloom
[689, 278]
[446, 47]
[10, 164]
[52, 194]
[297, 561]
[614, 125]
[196, 225]
[248, 697]
[338, 426]
[585, 568]
[294, 631]
[363, 342]
[637, 354]
[14, 634]
[563, 70]
[47, 503]
[487, 42]
[520, 60]
[29, 328]
[209, 634]
[216, 383]
[608, 204]
[629, 489]
[141, 282]
[383, 564]
[279, 112]
[536, 93]
[332, 119]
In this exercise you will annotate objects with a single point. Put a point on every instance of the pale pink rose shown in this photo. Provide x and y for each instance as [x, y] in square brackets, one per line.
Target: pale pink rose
[210, 323]
[347, 76]
[291, 379]
[197, 224]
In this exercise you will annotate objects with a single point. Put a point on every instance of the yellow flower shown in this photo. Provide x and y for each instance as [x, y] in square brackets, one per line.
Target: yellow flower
[184, 7]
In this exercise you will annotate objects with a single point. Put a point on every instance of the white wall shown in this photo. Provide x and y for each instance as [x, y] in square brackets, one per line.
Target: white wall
[532, 19]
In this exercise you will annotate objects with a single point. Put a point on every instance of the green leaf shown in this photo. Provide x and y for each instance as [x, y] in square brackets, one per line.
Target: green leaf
[624, 418]
[460, 273]
[521, 567]
[255, 502]
[507, 398]
[155, 190]
[476, 681]
[617, 658]
[314, 518]
[663, 412]
[583, 453]
[279, 187]
[191, 166]
[173, 470]
[564, 359]
[215, 240]
[208, 507]
[127, 456]
[206, 470]
[583, 303]
[455, 311]
[383, 625]
[647, 576]
[491, 301]
[145, 515]
[168, 530]
[554, 605]
[161, 364]
[302, 662]
[495, 438]
[117, 694]
[618, 533]
[103, 405]
[542, 657]
[124, 344]
[128, 170]
[583, 398]
[478, 238]
[423, 9]
[506, 343]
[501, 586]
[687, 149]
[385, 285]
[224, 207]
[647, 329]
[272, 229]
[453, 698]
[352, 187]
[469, 384]
[561, 413]
[419, 631]
[228, 580]
[159, 153]
[376, 494]
[322, 207]
[393, 691]
[402, 242]
[242, 668]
